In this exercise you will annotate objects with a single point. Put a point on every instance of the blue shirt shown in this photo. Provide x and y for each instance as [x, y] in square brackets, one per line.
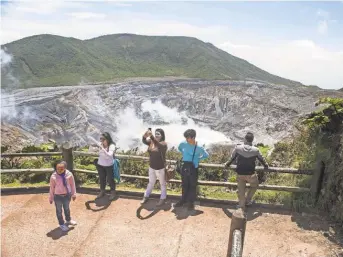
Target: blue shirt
[187, 153]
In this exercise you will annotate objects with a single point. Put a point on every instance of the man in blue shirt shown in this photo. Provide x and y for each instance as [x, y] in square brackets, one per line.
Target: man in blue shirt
[191, 155]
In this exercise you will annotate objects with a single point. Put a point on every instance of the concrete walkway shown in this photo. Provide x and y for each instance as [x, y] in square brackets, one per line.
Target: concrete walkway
[125, 229]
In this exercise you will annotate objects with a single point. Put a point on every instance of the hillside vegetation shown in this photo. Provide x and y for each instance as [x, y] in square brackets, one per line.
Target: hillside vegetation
[48, 60]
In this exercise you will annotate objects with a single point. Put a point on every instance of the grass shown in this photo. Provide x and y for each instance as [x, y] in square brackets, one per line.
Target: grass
[213, 192]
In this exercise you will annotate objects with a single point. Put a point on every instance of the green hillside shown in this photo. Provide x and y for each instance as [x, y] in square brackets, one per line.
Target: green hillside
[48, 60]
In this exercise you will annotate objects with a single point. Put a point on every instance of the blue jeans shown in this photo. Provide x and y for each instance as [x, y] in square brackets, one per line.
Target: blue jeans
[62, 201]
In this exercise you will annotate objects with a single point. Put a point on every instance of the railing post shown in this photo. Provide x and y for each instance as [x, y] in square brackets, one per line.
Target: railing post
[67, 153]
[317, 179]
[238, 221]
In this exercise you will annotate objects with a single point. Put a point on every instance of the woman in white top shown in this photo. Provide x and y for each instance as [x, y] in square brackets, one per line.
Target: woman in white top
[105, 165]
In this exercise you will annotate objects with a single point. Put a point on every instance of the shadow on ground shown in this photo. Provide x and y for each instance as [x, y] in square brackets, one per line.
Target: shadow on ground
[151, 207]
[182, 213]
[251, 213]
[100, 204]
[315, 222]
[57, 233]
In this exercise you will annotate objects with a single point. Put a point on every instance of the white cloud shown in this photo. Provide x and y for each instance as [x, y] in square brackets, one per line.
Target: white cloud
[323, 23]
[322, 27]
[87, 15]
[300, 60]
[122, 4]
[322, 13]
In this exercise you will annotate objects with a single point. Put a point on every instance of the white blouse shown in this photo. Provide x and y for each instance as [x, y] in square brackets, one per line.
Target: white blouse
[106, 157]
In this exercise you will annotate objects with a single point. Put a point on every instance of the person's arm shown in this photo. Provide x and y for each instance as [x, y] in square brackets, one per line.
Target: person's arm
[160, 145]
[262, 159]
[111, 150]
[52, 190]
[145, 141]
[233, 157]
[204, 154]
[72, 186]
[180, 148]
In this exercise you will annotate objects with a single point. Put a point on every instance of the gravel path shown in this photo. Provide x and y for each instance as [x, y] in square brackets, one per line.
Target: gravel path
[125, 229]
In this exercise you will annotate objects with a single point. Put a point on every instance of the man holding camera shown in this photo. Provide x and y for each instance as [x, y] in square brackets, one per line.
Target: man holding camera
[246, 155]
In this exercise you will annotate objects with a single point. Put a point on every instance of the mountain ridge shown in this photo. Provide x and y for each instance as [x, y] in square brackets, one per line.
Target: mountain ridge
[51, 60]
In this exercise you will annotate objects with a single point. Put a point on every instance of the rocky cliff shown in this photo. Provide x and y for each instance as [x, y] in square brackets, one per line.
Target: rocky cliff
[221, 111]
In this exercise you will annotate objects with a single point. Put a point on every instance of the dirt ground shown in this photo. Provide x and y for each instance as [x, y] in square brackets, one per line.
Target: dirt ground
[124, 228]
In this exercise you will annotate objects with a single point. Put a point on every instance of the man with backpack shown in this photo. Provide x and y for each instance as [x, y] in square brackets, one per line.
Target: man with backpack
[246, 155]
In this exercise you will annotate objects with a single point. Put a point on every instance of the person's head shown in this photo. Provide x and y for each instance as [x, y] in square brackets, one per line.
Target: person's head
[60, 167]
[249, 138]
[190, 135]
[106, 139]
[159, 135]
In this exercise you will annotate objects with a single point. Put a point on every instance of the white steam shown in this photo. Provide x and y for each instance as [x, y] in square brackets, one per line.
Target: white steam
[5, 58]
[8, 109]
[130, 127]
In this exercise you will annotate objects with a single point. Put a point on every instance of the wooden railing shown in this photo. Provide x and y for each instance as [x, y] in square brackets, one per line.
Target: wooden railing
[238, 221]
[69, 154]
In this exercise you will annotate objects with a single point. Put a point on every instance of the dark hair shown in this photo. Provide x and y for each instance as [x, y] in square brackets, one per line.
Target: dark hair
[249, 137]
[190, 133]
[59, 162]
[108, 138]
[161, 131]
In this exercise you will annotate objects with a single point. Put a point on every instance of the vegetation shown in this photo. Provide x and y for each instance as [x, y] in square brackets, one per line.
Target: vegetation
[219, 154]
[48, 60]
[329, 118]
[320, 139]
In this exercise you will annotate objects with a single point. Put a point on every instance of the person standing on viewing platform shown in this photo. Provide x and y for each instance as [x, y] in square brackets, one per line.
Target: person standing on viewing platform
[62, 190]
[157, 149]
[104, 165]
[246, 155]
[192, 154]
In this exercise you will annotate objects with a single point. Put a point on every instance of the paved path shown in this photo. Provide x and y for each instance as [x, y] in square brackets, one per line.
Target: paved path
[125, 229]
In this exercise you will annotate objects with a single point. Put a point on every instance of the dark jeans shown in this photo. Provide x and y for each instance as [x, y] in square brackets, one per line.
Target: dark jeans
[106, 173]
[189, 186]
[62, 202]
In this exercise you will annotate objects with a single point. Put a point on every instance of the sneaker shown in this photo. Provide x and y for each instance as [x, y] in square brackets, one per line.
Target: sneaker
[71, 222]
[144, 200]
[101, 194]
[64, 228]
[112, 195]
[179, 204]
[161, 202]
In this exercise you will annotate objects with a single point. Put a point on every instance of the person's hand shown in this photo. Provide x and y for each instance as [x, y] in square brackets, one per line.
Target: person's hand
[73, 197]
[50, 201]
[149, 133]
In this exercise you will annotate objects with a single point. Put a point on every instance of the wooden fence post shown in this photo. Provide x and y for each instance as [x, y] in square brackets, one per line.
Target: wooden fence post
[67, 153]
[317, 180]
[238, 221]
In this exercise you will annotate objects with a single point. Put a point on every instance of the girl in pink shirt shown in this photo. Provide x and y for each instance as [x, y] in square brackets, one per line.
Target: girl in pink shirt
[62, 190]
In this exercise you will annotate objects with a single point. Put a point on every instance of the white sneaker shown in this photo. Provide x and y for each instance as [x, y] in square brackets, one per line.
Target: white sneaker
[64, 228]
[71, 222]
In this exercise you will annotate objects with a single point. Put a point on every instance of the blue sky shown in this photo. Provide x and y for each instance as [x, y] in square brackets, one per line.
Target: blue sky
[297, 40]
